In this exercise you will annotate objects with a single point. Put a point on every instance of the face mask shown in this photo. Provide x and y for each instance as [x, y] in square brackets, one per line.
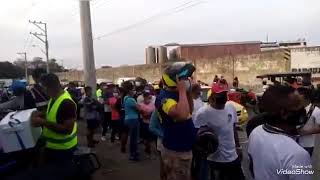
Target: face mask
[297, 118]
[115, 94]
[221, 99]
[138, 83]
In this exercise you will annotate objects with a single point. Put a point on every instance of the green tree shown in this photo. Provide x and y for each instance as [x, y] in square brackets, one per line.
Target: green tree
[10, 71]
[38, 62]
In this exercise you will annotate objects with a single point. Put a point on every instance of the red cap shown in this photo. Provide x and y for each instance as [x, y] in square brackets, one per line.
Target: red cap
[220, 87]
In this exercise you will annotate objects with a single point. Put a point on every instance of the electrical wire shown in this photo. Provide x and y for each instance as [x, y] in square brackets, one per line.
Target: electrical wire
[95, 5]
[27, 38]
[26, 29]
[171, 11]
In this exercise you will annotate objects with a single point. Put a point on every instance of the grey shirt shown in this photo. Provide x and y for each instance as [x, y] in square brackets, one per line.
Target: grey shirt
[90, 108]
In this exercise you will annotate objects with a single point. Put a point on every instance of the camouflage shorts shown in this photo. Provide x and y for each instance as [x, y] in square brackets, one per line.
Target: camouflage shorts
[176, 165]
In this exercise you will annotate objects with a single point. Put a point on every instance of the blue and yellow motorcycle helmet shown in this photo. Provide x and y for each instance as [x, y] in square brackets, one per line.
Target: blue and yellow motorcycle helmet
[183, 70]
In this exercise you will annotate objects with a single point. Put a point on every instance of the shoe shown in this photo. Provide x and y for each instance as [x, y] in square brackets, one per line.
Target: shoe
[103, 138]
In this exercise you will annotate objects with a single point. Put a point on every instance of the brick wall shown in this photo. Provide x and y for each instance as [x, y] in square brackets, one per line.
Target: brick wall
[215, 51]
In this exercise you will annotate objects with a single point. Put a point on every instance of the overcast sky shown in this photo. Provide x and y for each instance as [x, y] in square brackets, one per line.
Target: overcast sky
[209, 21]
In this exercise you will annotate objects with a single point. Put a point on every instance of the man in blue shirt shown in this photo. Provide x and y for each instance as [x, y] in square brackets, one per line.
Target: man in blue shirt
[174, 105]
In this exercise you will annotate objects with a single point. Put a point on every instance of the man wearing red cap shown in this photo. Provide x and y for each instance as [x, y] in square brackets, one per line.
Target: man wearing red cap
[221, 117]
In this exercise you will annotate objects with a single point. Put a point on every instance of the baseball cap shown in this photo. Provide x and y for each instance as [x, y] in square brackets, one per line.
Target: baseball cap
[220, 87]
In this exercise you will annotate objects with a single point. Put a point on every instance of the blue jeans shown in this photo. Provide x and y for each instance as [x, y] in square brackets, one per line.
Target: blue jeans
[133, 125]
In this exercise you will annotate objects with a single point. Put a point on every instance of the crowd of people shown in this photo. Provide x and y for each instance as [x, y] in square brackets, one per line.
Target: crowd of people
[172, 119]
[194, 139]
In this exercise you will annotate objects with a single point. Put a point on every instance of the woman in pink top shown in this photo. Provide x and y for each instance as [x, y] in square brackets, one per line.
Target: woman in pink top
[146, 109]
[115, 105]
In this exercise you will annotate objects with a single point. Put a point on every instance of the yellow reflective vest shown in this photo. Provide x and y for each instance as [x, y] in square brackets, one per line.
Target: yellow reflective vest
[54, 140]
[99, 93]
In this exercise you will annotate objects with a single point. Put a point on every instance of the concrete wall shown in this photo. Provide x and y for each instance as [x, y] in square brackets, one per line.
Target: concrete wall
[246, 68]
[307, 57]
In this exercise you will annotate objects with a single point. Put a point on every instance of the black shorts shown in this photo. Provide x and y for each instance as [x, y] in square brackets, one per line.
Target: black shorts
[145, 132]
[92, 123]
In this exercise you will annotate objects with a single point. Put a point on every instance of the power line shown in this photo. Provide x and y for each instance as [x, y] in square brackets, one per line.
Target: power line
[26, 29]
[30, 43]
[104, 2]
[179, 8]
[171, 11]
[26, 41]
[95, 5]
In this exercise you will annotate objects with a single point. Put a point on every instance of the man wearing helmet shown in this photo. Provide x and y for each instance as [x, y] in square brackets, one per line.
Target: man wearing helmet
[174, 105]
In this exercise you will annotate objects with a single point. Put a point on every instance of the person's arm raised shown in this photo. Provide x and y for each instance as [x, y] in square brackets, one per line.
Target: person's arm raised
[181, 110]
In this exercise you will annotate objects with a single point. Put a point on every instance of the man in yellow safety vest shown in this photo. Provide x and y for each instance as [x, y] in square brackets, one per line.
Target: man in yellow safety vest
[59, 123]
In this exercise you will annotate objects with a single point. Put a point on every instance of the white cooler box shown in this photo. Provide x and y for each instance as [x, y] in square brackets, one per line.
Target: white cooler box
[16, 131]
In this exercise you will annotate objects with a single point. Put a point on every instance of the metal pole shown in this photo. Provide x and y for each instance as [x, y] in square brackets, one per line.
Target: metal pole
[87, 45]
[45, 40]
[47, 47]
[25, 65]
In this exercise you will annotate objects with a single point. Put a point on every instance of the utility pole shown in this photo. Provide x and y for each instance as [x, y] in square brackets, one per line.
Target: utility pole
[43, 27]
[87, 45]
[25, 64]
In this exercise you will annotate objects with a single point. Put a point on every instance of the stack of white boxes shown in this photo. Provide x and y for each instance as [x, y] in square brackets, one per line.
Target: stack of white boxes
[17, 133]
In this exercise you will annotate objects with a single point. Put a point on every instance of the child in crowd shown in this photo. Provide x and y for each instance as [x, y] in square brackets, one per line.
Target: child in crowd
[90, 115]
[146, 109]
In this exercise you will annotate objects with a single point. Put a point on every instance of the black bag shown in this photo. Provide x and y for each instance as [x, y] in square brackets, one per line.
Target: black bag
[86, 163]
[207, 141]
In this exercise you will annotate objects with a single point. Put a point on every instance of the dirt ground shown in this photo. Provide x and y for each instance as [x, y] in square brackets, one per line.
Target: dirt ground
[116, 165]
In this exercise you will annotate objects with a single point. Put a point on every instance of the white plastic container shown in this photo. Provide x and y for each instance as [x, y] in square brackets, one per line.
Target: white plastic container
[16, 131]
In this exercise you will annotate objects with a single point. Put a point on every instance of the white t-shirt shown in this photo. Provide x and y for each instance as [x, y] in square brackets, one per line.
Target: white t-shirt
[222, 122]
[314, 121]
[272, 153]
[197, 104]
